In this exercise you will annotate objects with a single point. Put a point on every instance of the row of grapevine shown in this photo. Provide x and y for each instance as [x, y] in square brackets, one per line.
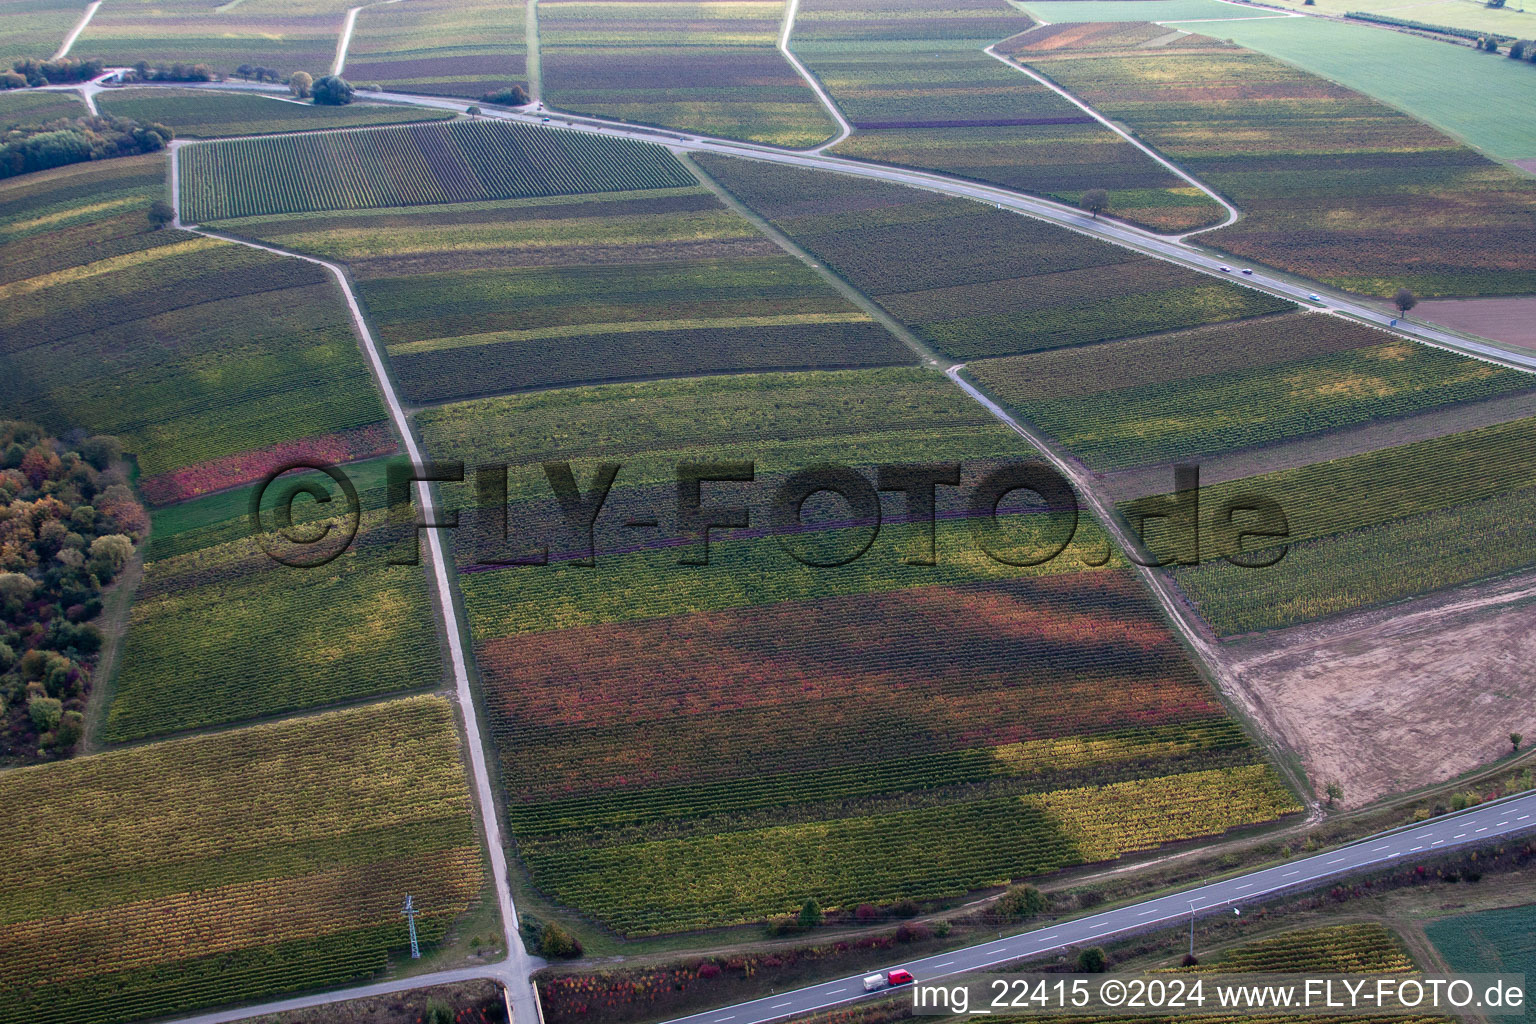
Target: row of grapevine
[460, 161]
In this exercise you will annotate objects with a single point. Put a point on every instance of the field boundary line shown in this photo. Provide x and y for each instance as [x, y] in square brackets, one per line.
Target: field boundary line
[1233, 213]
[74, 33]
[844, 129]
[516, 968]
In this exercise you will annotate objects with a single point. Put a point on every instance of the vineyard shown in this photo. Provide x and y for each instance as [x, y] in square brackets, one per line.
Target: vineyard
[294, 36]
[922, 94]
[204, 114]
[989, 283]
[712, 69]
[586, 289]
[1333, 185]
[462, 48]
[200, 351]
[1378, 527]
[461, 161]
[34, 107]
[32, 30]
[226, 868]
[731, 739]
[1231, 386]
[213, 609]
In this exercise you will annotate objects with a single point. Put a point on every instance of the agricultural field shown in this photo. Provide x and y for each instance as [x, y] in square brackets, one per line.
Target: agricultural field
[231, 867]
[462, 161]
[213, 607]
[462, 48]
[583, 289]
[1334, 186]
[1227, 387]
[1377, 527]
[988, 283]
[286, 36]
[712, 68]
[35, 28]
[199, 354]
[733, 738]
[916, 85]
[1498, 941]
[202, 114]
[38, 107]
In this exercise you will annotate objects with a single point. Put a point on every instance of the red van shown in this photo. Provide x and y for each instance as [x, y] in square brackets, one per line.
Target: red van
[899, 977]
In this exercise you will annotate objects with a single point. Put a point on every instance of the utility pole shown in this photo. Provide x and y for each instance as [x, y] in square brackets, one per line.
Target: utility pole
[409, 913]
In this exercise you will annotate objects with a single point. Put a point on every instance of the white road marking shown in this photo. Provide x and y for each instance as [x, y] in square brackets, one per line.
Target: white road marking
[1459, 835]
[1288, 874]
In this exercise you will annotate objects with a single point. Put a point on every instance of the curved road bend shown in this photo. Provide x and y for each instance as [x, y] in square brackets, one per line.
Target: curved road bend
[1490, 821]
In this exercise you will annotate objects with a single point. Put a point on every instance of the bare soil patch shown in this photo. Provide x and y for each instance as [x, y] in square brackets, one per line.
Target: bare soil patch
[1508, 320]
[1393, 699]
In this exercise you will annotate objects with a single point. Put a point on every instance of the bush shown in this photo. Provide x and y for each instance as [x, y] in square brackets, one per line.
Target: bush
[332, 91]
[864, 913]
[906, 908]
[1091, 961]
[1089, 898]
[514, 96]
[1020, 902]
[555, 943]
[438, 1012]
[810, 914]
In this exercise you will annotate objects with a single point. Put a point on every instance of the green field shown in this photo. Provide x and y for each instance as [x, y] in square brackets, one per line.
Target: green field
[1477, 98]
[222, 869]
[709, 68]
[212, 607]
[462, 161]
[584, 289]
[713, 731]
[196, 352]
[440, 47]
[920, 91]
[35, 28]
[1217, 389]
[1375, 528]
[1333, 185]
[38, 107]
[985, 282]
[1494, 941]
[293, 35]
[200, 113]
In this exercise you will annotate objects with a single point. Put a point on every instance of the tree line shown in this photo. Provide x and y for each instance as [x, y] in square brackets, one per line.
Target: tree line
[69, 523]
[28, 148]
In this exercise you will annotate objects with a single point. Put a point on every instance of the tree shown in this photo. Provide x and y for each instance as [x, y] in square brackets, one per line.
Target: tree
[558, 944]
[472, 110]
[810, 914]
[299, 84]
[244, 71]
[109, 553]
[1517, 48]
[512, 96]
[1515, 739]
[1404, 300]
[1091, 961]
[161, 213]
[1334, 793]
[1020, 902]
[1095, 201]
[439, 1013]
[332, 90]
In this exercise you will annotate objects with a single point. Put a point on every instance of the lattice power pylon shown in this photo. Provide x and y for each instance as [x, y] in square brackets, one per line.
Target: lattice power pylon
[409, 913]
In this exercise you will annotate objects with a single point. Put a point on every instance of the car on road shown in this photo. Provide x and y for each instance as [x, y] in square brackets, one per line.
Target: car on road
[1224, 269]
[1314, 297]
[1248, 271]
[876, 982]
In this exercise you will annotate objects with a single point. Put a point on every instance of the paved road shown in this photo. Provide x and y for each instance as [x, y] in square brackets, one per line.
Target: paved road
[1477, 825]
[1139, 239]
